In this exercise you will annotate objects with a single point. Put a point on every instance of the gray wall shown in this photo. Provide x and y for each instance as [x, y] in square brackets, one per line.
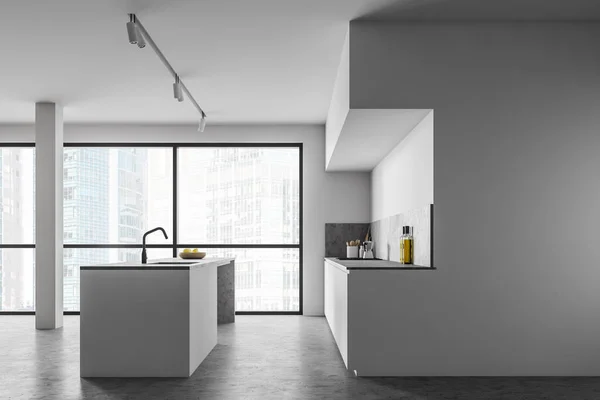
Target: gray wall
[517, 191]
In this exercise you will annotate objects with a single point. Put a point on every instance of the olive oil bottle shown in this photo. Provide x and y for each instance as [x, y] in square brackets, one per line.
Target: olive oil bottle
[406, 246]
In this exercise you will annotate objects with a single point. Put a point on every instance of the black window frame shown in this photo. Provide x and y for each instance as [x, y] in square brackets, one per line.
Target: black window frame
[175, 245]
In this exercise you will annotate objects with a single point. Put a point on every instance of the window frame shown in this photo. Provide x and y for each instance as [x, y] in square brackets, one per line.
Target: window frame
[175, 244]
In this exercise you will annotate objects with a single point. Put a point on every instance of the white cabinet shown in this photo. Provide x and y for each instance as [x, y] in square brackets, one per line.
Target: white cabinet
[336, 306]
[369, 311]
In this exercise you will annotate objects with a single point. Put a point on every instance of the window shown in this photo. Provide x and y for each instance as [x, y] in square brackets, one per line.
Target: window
[236, 195]
[18, 280]
[249, 199]
[266, 279]
[112, 195]
[17, 228]
[242, 201]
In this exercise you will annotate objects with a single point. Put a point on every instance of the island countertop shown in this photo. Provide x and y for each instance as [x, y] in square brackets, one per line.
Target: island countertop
[161, 264]
[373, 265]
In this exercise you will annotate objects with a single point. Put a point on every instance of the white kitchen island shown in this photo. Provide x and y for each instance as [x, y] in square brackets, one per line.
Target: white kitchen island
[152, 320]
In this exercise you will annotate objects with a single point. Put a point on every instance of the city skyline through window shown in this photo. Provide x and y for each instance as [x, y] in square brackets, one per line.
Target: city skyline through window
[17, 228]
[246, 196]
[112, 195]
[242, 197]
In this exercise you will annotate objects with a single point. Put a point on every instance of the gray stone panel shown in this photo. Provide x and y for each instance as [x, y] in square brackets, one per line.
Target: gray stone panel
[226, 293]
[336, 236]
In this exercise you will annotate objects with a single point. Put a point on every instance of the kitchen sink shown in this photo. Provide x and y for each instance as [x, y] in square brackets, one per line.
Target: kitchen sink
[175, 262]
[358, 259]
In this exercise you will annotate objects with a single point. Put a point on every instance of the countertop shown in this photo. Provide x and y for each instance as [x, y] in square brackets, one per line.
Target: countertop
[171, 264]
[374, 265]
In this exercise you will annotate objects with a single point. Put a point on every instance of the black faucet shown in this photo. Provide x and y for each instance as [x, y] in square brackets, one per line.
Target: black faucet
[144, 255]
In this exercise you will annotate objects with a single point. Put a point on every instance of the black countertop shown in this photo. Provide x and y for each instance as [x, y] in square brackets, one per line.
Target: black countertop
[375, 265]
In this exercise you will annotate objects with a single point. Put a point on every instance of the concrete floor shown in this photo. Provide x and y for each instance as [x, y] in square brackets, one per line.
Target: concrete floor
[258, 357]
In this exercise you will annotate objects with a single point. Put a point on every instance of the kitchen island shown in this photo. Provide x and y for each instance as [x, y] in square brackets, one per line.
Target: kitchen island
[153, 320]
[365, 315]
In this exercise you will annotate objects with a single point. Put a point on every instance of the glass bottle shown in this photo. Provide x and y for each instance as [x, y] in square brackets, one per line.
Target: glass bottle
[406, 246]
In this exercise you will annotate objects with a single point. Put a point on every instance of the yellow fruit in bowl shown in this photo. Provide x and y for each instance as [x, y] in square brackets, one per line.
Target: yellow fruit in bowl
[195, 251]
[187, 250]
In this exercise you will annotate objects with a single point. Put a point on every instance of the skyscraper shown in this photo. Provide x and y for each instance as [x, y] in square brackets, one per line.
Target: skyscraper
[104, 202]
[85, 205]
[130, 194]
[247, 196]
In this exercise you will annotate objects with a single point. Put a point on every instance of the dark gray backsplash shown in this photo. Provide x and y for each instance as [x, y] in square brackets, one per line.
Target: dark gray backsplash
[336, 236]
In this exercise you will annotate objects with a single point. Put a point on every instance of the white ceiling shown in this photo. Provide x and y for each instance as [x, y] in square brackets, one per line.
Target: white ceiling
[245, 61]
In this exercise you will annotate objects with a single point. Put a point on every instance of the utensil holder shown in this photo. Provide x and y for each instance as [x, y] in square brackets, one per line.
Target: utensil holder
[352, 251]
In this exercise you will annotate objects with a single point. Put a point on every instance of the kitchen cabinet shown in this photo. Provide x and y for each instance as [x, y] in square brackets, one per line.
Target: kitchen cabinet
[367, 312]
[336, 306]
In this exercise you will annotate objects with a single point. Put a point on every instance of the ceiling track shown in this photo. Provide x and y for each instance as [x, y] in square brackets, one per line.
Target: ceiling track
[142, 30]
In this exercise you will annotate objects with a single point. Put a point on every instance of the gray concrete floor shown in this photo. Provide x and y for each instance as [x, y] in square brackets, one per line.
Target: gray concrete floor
[258, 357]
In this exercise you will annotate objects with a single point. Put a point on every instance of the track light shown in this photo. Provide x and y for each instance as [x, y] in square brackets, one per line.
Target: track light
[139, 35]
[202, 124]
[177, 92]
[140, 39]
[132, 30]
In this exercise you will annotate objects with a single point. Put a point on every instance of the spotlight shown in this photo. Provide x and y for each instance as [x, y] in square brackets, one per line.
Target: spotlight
[202, 124]
[132, 30]
[140, 39]
[177, 92]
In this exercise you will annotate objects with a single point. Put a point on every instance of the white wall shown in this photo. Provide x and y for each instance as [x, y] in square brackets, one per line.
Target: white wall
[21, 133]
[517, 193]
[403, 180]
[328, 197]
[340, 101]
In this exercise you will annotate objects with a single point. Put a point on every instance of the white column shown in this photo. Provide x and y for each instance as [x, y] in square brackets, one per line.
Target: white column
[48, 216]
